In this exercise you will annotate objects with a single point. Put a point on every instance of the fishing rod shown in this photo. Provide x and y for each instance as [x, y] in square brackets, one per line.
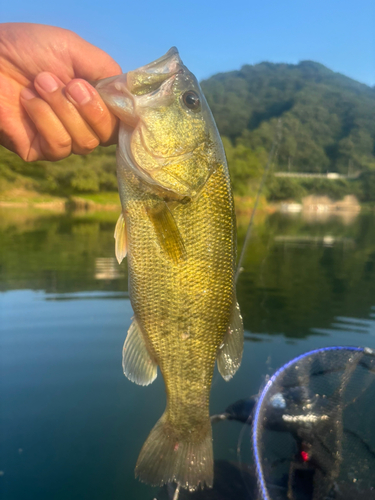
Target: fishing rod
[272, 153]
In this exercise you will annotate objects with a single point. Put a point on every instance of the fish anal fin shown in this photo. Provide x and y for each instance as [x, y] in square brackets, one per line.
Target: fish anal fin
[230, 352]
[120, 239]
[165, 457]
[137, 363]
[168, 234]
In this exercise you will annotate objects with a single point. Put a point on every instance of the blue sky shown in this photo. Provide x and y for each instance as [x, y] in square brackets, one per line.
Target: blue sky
[216, 35]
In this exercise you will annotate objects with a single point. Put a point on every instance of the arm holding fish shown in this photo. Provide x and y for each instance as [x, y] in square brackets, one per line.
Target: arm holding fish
[47, 109]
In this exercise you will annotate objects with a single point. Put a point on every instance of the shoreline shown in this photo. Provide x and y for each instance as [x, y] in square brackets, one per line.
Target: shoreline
[110, 202]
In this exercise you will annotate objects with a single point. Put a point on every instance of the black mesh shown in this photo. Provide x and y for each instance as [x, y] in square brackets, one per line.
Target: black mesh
[314, 428]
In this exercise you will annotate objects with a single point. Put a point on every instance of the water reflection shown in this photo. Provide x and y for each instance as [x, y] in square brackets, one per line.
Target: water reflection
[59, 253]
[64, 313]
[323, 216]
[352, 325]
[297, 272]
[87, 296]
[107, 268]
[326, 240]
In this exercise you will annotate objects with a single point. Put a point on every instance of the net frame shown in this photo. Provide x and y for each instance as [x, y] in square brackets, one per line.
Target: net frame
[258, 413]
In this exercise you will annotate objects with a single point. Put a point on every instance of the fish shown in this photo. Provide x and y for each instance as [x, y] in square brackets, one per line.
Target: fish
[178, 230]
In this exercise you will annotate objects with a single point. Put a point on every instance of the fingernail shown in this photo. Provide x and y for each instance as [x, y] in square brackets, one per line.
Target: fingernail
[47, 82]
[27, 94]
[79, 93]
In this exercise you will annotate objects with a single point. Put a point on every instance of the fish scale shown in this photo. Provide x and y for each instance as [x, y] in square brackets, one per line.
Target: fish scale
[178, 229]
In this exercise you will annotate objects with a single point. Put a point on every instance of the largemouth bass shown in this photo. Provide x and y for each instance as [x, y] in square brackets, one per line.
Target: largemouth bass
[178, 230]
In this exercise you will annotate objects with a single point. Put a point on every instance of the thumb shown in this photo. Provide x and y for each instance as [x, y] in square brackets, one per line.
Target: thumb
[90, 62]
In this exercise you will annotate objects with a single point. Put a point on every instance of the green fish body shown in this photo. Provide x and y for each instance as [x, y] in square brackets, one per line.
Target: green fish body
[178, 230]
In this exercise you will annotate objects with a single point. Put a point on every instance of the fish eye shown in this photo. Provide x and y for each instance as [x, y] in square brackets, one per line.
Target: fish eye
[191, 100]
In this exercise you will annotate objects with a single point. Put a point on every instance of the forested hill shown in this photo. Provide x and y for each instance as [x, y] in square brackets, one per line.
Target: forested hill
[327, 120]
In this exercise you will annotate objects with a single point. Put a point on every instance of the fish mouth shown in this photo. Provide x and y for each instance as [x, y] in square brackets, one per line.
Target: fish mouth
[118, 98]
[149, 78]
[120, 92]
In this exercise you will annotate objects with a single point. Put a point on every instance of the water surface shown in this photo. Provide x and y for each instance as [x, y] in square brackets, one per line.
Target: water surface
[71, 424]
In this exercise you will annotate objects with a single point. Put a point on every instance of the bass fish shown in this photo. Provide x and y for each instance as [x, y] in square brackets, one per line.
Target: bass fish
[178, 230]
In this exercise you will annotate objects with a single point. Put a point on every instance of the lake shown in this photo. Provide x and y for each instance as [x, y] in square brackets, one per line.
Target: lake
[71, 424]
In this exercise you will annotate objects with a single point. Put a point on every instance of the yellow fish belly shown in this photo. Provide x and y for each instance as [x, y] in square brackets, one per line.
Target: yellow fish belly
[186, 317]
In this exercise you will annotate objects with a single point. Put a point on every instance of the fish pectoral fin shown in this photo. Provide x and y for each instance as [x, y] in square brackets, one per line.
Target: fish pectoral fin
[121, 248]
[230, 352]
[168, 234]
[137, 363]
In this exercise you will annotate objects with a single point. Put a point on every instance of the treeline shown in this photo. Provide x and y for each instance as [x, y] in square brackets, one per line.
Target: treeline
[321, 122]
[76, 174]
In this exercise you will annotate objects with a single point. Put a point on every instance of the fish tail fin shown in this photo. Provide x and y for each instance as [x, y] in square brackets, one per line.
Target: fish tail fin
[165, 458]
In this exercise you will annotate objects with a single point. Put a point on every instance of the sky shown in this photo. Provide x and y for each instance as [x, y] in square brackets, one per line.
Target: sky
[215, 35]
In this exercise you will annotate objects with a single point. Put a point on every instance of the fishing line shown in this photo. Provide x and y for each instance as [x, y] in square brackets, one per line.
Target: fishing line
[272, 153]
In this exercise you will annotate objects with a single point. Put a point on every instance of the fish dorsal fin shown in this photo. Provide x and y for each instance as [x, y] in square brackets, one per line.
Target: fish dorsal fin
[167, 232]
[120, 237]
[230, 352]
[137, 363]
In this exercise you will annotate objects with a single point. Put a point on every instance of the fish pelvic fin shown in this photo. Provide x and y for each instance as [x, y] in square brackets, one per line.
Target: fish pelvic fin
[230, 353]
[167, 232]
[121, 247]
[137, 363]
[165, 457]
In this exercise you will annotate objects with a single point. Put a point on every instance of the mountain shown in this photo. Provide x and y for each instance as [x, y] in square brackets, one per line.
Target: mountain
[325, 121]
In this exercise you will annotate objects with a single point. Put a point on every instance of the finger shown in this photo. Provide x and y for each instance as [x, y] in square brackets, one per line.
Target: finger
[52, 90]
[52, 141]
[93, 110]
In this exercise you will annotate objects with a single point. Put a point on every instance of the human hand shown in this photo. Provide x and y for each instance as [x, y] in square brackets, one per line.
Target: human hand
[47, 109]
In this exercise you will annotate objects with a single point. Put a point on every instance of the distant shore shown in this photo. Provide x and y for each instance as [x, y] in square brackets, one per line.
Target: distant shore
[94, 202]
[109, 201]
[22, 198]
